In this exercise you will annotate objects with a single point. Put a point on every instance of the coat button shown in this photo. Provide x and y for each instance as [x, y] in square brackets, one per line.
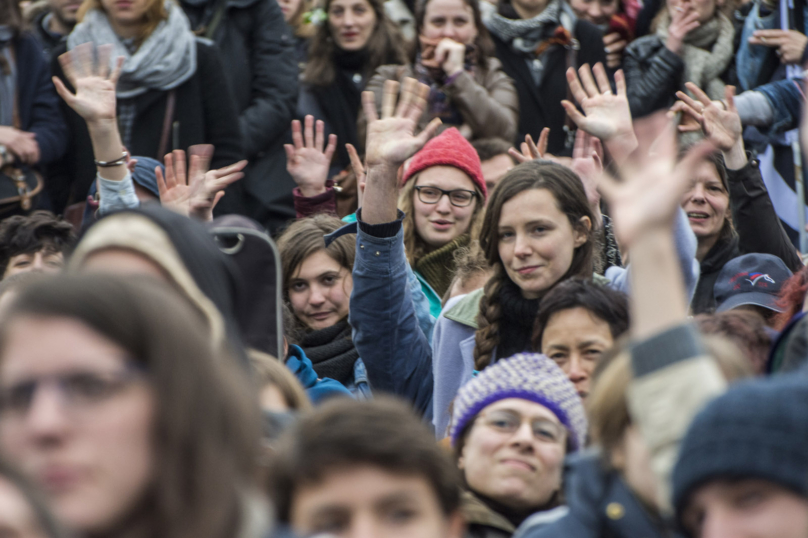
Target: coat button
[378, 253]
[362, 247]
[615, 511]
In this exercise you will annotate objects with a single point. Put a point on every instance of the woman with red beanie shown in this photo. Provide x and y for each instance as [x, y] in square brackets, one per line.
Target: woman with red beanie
[442, 195]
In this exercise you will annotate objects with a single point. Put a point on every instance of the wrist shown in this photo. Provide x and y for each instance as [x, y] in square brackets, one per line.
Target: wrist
[735, 157]
[103, 127]
[310, 191]
[674, 45]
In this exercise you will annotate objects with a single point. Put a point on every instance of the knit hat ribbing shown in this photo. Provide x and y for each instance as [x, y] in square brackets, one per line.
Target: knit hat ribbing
[758, 429]
[528, 376]
[449, 148]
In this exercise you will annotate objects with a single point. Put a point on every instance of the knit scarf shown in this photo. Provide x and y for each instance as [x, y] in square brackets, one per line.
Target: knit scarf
[332, 352]
[164, 60]
[438, 267]
[429, 72]
[706, 53]
[517, 320]
[8, 77]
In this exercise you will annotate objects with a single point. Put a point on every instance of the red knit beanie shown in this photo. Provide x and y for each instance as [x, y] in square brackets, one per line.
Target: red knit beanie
[449, 148]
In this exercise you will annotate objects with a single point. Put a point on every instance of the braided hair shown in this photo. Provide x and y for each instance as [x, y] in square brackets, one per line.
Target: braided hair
[568, 191]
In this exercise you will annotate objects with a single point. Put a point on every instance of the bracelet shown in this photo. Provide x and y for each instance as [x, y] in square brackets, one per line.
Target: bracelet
[109, 164]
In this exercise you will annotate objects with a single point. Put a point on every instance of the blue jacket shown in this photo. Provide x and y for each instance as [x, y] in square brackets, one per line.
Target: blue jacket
[318, 390]
[37, 99]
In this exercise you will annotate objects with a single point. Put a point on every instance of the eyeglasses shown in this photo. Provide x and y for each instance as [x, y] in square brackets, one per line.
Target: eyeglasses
[509, 423]
[458, 197]
[78, 390]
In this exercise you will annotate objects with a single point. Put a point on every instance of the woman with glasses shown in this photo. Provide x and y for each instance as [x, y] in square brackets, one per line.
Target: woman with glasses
[442, 195]
[511, 429]
[114, 402]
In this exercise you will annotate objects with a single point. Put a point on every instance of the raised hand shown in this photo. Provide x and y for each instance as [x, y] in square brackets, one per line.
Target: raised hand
[718, 119]
[94, 99]
[204, 199]
[587, 162]
[653, 181]
[307, 161]
[531, 150]
[391, 139]
[606, 115]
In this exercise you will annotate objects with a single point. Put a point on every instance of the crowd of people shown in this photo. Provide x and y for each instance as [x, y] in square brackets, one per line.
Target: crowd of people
[399, 269]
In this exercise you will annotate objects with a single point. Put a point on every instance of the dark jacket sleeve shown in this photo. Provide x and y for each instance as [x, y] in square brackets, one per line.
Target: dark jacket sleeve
[757, 224]
[220, 114]
[313, 205]
[387, 335]
[39, 103]
[274, 84]
[653, 74]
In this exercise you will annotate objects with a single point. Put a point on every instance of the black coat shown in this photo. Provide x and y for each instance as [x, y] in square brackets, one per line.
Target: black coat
[540, 107]
[758, 230]
[204, 114]
[601, 505]
[259, 57]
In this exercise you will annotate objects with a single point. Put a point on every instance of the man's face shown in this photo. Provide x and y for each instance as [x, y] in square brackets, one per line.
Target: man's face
[65, 11]
[369, 502]
[747, 508]
[46, 260]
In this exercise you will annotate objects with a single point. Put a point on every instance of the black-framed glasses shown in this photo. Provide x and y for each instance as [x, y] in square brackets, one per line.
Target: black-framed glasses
[457, 197]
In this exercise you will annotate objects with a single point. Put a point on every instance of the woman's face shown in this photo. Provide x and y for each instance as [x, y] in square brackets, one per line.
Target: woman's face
[514, 453]
[537, 241]
[452, 19]
[289, 8]
[576, 339]
[126, 16]
[320, 291]
[598, 12]
[706, 203]
[442, 222]
[351, 23]
[704, 8]
[78, 419]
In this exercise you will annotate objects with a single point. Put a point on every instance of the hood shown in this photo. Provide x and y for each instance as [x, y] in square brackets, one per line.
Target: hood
[183, 249]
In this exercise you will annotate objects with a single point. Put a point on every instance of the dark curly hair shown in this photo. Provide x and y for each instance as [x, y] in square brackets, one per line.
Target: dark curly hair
[27, 234]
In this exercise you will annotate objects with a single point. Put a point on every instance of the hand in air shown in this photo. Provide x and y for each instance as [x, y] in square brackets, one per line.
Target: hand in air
[308, 161]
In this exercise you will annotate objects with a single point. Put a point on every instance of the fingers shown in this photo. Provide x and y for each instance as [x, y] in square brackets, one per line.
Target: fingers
[544, 138]
[620, 82]
[575, 86]
[418, 102]
[116, 73]
[68, 67]
[406, 97]
[521, 158]
[168, 162]
[83, 59]
[356, 162]
[219, 196]
[689, 101]
[369, 106]
[203, 154]
[389, 96]
[588, 82]
[308, 131]
[602, 79]
[690, 23]
[331, 147]
[161, 184]
[700, 95]
[297, 134]
[429, 131]
[608, 39]
[574, 114]
[104, 52]
[579, 149]
[63, 92]
[319, 135]
[531, 146]
[231, 169]
[597, 150]
[770, 34]
[179, 167]
[729, 96]
[290, 155]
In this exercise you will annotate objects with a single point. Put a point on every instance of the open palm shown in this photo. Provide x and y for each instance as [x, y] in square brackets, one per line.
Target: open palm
[94, 99]
[721, 124]
[606, 114]
[307, 161]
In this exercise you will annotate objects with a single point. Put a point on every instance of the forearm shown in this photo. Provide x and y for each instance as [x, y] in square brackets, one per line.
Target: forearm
[381, 195]
[107, 147]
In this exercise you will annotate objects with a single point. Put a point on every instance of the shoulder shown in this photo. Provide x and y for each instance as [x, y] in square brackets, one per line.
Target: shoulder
[464, 309]
[644, 46]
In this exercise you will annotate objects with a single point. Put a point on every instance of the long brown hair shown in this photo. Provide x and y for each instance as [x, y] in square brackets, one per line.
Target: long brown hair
[569, 194]
[385, 46]
[11, 16]
[484, 46]
[206, 429]
[155, 14]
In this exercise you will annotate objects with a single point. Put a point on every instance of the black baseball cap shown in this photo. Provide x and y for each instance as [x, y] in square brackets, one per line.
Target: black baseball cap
[751, 279]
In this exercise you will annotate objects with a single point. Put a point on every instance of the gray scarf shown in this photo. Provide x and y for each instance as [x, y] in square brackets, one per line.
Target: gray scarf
[706, 53]
[164, 60]
[8, 77]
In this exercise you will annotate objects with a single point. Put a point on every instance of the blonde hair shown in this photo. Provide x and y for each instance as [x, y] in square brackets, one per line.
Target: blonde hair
[414, 246]
[268, 370]
[156, 13]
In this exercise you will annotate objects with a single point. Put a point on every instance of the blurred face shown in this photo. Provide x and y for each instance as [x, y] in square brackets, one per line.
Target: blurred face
[126, 16]
[17, 517]
[320, 291]
[452, 19]
[271, 399]
[598, 12]
[704, 8]
[77, 419]
[747, 508]
[65, 11]
[369, 502]
[494, 168]
[440, 223]
[351, 22]
[514, 453]
[576, 339]
[46, 260]
[634, 461]
[537, 241]
[706, 203]
[289, 8]
[121, 261]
